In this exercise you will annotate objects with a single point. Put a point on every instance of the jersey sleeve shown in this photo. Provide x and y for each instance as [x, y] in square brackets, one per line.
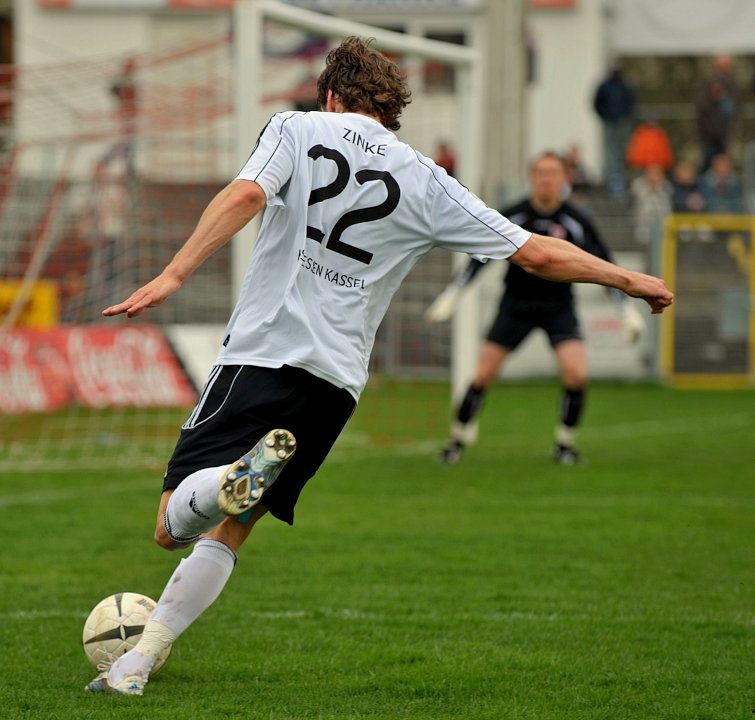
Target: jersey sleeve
[464, 223]
[272, 161]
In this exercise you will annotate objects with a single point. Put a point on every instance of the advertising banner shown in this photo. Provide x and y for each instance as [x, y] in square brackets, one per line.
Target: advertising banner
[96, 366]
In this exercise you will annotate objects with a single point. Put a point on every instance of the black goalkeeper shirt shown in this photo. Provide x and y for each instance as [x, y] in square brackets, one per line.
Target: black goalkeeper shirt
[566, 223]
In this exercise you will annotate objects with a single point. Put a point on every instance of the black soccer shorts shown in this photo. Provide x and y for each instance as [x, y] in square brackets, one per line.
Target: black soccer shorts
[516, 319]
[240, 404]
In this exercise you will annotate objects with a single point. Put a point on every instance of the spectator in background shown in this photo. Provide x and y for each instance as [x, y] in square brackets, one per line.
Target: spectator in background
[718, 109]
[651, 196]
[614, 102]
[649, 145]
[576, 175]
[124, 89]
[687, 193]
[577, 178]
[721, 187]
[446, 158]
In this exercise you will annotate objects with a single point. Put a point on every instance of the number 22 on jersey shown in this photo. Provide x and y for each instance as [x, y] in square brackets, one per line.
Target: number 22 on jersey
[351, 217]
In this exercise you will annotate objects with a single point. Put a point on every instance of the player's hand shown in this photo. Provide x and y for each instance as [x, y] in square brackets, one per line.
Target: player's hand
[652, 290]
[150, 295]
[634, 325]
[443, 306]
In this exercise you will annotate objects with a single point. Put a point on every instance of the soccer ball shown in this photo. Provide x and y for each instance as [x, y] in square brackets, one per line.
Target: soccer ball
[114, 626]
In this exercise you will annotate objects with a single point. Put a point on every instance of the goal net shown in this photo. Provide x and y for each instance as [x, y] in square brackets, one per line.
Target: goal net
[106, 166]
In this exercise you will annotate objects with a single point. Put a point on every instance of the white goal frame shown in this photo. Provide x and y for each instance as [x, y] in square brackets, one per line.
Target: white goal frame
[249, 16]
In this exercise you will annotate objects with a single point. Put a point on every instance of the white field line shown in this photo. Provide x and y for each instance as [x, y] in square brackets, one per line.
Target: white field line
[47, 497]
[340, 613]
[743, 619]
[356, 447]
[697, 424]
[346, 450]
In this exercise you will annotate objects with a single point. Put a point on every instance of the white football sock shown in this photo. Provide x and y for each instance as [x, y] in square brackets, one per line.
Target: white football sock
[193, 507]
[193, 587]
[565, 435]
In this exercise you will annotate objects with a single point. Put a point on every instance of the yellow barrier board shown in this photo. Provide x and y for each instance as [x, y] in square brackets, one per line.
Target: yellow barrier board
[708, 336]
[42, 306]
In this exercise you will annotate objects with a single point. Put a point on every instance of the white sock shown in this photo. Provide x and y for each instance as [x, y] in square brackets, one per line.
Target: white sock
[193, 507]
[195, 584]
[193, 587]
[565, 435]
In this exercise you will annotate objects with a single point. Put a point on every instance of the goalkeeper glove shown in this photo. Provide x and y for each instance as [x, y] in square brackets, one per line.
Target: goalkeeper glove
[634, 325]
[443, 306]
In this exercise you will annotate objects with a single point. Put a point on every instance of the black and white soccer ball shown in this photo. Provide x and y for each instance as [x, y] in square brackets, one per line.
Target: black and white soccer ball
[114, 626]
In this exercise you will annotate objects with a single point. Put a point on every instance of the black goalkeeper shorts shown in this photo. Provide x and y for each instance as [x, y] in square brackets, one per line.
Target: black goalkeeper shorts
[516, 319]
[240, 404]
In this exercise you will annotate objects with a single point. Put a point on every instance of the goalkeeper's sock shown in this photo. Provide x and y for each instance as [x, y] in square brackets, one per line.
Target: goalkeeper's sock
[194, 586]
[565, 436]
[572, 404]
[193, 506]
[471, 404]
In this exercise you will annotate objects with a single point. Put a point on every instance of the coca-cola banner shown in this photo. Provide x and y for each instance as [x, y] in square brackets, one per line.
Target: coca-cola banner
[96, 366]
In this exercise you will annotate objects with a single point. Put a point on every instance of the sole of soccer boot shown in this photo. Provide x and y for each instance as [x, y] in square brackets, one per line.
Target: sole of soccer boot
[243, 482]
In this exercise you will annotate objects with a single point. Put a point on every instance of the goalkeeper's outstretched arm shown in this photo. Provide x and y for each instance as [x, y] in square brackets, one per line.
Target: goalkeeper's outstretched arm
[443, 306]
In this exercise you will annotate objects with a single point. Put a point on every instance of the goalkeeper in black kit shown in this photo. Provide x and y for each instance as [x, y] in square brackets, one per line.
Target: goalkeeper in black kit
[530, 302]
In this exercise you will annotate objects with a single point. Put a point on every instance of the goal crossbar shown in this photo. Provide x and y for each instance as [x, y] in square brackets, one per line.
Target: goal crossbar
[388, 40]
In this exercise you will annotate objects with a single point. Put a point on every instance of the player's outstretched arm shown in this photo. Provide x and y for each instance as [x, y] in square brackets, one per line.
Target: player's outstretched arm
[558, 260]
[229, 211]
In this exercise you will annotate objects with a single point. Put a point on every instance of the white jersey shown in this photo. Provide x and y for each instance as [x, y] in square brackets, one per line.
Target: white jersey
[350, 211]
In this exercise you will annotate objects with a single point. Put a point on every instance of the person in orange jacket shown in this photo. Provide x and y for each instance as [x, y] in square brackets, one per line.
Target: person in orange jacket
[649, 145]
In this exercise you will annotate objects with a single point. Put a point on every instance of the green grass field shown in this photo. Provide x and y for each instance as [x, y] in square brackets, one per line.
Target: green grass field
[504, 587]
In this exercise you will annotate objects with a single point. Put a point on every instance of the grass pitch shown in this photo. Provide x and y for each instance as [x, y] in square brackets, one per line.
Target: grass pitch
[504, 587]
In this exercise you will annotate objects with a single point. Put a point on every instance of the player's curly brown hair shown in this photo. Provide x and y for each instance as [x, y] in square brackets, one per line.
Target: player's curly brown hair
[364, 80]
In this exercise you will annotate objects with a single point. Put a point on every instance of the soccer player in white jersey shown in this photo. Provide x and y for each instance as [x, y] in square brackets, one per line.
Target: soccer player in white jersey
[349, 211]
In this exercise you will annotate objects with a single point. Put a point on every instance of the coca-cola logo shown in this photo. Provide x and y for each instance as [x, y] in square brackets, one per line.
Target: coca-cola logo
[33, 375]
[97, 366]
[132, 366]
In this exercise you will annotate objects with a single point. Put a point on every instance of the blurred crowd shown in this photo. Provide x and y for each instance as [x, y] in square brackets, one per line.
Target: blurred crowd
[640, 167]
[638, 159]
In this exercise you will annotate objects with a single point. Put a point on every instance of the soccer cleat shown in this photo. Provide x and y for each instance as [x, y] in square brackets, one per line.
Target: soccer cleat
[130, 685]
[451, 452]
[243, 482]
[565, 455]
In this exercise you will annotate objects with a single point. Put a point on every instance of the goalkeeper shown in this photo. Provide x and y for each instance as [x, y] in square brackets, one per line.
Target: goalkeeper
[531, 302]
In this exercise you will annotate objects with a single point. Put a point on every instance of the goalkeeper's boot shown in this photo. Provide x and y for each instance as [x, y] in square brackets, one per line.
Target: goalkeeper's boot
[243, 482]
[450, 454]
[566, 455]
[130, 685]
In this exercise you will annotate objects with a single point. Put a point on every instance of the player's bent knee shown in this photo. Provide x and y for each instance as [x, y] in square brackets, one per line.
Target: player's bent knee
[166, 542]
